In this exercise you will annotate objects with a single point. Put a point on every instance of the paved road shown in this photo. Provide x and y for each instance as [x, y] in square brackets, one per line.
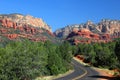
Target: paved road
[81, 72]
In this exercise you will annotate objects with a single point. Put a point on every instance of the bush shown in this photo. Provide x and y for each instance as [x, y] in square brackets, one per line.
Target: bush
[27, 60]
[19, 62]
[100, 54]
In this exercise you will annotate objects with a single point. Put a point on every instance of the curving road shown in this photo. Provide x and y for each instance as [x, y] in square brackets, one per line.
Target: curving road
[81, 72]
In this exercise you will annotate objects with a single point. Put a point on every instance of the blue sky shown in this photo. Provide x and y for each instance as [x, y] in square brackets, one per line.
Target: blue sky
[59, 13]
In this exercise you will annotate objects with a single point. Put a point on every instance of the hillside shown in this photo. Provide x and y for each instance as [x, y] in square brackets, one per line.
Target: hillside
[111, 27]
[19, 27]
[26, 19]
[104, 31]
[27, 47]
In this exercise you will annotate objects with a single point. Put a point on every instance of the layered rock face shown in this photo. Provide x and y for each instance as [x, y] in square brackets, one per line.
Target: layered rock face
[104, 31]
[29, 20]
[16, 30]
[86, 36]
[111, 27]
[64, 32]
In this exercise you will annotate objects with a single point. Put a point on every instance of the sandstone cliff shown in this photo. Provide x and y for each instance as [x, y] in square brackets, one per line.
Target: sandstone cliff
[104, 31]
[106, 26]
[15, 27]
[86, 36]
[64, 32]
[111, 27]
[26, 19]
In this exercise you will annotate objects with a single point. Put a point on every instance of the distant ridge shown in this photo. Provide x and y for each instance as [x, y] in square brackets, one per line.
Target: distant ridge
[26, 19]
[17, 27]
[104, 31]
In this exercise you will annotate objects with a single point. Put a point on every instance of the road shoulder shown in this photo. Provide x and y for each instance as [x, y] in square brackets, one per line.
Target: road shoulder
[105, 74]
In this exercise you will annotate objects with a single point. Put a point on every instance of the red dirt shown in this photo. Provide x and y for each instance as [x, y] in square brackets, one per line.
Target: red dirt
[104, 74]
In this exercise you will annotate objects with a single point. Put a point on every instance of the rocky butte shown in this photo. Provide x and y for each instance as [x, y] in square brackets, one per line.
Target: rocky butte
[104, 31]
[26, 19]
[17, 27]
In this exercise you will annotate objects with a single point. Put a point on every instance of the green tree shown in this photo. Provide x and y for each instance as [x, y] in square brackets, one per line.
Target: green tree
[66, 51]
[21, 61]
[117, 49]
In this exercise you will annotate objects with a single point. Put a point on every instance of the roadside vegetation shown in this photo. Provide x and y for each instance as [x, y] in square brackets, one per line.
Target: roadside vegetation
[103, 55]
[27, 60]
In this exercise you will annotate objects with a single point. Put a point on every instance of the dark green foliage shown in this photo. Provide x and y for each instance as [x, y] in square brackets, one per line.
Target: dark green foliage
[66, 51]
[27, 60]
[100, 54]
[74, 50]
[117, 49]
[58, 63]
[20, 61]
[55, 64]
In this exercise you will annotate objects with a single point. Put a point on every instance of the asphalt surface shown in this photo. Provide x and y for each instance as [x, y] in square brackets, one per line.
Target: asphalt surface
[81, 72]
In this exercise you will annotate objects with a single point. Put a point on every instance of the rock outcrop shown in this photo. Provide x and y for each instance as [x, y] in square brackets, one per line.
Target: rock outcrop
[64, 32]
[86, 36]
[13, 29]
[104, 31]
[29, 20]
[111, 27]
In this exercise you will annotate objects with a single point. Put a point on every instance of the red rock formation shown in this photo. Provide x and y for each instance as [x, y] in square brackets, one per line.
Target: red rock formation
[2, 30]
[15, 25]
[87, 37]
[8, 24]
[20, 28]
[33, 30]
[105, 36]
[94, 36]
[0, 21]
[84, 33]
[24, 19]
[11, 36]
[111, 27]
[23, 30]
[4, 22]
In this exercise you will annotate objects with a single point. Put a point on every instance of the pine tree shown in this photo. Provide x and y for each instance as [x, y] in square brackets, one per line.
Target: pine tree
[117, 50]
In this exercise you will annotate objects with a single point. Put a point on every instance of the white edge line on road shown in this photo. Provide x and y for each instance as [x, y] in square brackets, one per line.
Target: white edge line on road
[80, 75]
